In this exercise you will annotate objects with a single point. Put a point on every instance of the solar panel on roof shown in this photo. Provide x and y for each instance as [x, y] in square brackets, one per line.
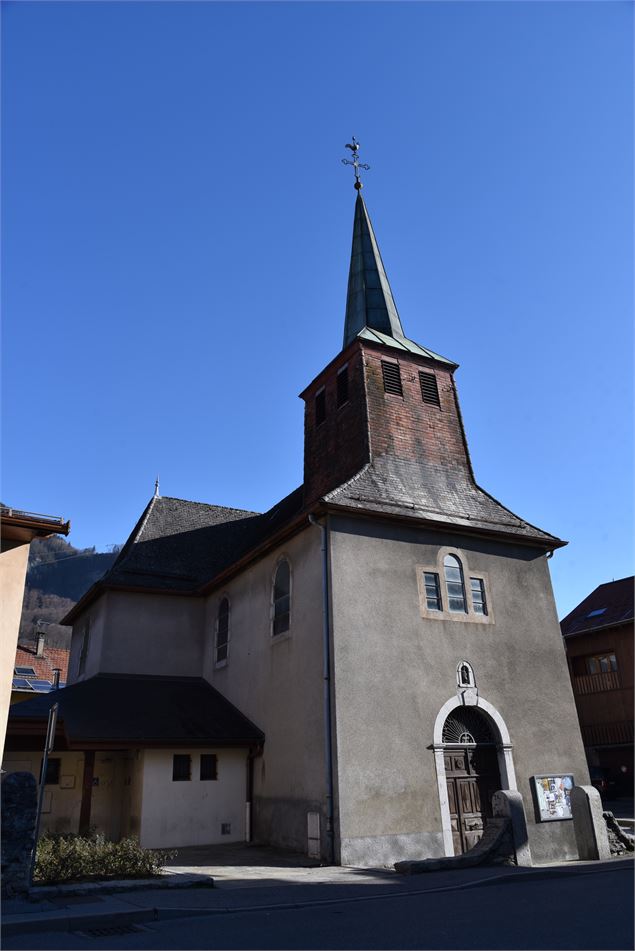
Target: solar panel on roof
[597, 612]
[25, 671]
[43, 686]
[20, 683]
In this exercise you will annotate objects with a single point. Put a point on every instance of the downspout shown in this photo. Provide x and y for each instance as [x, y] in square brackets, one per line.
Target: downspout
[326, 675]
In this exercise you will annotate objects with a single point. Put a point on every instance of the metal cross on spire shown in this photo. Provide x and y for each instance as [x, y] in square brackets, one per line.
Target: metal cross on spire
[355, 163]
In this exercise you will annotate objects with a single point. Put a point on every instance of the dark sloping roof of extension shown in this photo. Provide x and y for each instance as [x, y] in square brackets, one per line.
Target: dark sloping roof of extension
[128, 710]
[393, 486]
[610, 605]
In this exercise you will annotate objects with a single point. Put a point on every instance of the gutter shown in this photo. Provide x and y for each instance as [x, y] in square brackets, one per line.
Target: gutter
[326, 676]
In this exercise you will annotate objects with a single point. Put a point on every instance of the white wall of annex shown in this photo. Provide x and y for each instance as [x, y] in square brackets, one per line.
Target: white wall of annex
[191, 812]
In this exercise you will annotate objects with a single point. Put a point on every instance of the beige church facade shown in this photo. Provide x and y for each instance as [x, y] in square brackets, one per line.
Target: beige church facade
[352, 674]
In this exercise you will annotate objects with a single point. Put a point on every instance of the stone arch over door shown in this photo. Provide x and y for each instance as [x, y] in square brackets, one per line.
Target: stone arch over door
[503, 750]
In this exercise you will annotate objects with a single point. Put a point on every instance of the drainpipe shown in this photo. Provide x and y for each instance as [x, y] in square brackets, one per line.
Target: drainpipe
[326, 675]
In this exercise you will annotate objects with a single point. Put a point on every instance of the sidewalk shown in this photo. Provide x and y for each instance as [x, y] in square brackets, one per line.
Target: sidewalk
[252, 889]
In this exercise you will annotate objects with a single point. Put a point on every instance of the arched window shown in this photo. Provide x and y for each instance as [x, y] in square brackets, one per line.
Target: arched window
[454, 583]
[222, 632]
[281, 597]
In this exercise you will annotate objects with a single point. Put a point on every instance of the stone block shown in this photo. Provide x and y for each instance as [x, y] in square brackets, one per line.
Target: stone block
[508, 804]
[589, 824]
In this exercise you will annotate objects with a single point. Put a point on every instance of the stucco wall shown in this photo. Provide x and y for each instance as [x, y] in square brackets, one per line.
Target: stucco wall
[61, 803]
[277, 683]
[191, 812]
[395, 669]
[96, 618]
[137, 633]
[13, 565]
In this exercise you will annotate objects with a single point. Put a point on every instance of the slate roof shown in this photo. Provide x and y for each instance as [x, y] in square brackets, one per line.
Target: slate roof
[179, 545]
[393, 486]
[611, 604]
[129, 710]
[182, 546]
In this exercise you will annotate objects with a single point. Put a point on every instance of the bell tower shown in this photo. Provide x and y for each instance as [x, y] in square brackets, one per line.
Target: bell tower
[383, 394]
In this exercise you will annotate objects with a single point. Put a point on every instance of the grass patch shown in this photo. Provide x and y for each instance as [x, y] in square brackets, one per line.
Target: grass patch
[74, 858]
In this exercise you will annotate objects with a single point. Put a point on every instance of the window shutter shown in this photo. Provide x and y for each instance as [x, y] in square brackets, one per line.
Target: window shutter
[429, 388]
[392, 378]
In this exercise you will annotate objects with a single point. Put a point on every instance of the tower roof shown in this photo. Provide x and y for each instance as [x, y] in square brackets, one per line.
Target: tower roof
[369, 301]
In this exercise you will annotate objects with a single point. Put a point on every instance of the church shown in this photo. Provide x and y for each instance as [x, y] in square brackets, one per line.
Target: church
[351, 674]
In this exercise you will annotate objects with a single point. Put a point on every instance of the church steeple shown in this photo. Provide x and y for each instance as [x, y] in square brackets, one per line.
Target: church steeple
[369, 301]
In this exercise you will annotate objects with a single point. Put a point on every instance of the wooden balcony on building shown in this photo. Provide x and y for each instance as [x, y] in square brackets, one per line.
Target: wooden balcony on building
[595, 683]
[608, 734]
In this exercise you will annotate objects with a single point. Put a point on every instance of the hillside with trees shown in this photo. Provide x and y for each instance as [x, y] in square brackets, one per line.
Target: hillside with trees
[58, 576]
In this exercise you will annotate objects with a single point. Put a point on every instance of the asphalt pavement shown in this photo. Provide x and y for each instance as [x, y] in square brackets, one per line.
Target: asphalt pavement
[577, 905]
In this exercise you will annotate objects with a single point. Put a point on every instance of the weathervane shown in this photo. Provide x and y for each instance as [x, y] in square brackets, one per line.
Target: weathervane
[355, 163]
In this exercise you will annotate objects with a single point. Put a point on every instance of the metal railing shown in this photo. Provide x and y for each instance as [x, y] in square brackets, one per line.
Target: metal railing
[19, 513]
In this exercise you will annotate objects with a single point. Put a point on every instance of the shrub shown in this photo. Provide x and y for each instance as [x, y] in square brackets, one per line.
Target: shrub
[66, 858]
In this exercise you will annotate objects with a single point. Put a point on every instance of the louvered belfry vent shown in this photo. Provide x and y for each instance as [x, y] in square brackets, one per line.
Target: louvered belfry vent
[392, 378]
[429, 388]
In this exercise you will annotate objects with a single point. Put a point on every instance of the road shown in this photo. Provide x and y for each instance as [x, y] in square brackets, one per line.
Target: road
[589, 908]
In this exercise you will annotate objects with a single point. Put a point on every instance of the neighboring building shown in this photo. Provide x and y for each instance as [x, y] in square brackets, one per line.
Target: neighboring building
[34, 670]
[18, 529]
[598, 637]
[388, 633]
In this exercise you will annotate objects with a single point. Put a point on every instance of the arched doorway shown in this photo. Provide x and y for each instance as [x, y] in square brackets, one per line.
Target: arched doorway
[472, 774]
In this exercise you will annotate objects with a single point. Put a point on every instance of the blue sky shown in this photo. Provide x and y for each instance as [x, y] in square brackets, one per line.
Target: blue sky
[176, 239]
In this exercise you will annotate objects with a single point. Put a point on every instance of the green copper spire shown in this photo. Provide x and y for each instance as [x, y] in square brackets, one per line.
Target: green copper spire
[369, 301]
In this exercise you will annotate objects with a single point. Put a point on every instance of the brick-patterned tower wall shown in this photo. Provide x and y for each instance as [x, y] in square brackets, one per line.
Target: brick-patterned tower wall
[408, 427]
[336, 449]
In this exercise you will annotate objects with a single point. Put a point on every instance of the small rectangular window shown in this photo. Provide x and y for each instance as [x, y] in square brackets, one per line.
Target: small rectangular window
[602, 664]
[429, 388]
[392, 378]
[433, 590]
[342, 386]
[209, 766]
[320, 407]
[479, 602]
[52, 772]
[181, 767]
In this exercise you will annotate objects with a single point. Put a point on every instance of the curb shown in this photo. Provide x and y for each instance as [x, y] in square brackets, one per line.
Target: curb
[177, 880]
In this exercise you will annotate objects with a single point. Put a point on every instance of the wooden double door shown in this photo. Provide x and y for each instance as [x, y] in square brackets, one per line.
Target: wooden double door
[473, 777]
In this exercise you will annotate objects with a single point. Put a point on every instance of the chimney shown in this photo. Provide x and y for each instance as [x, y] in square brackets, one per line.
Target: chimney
[41, 637]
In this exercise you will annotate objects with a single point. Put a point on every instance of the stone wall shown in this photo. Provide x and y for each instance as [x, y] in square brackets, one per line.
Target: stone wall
[19, 806]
